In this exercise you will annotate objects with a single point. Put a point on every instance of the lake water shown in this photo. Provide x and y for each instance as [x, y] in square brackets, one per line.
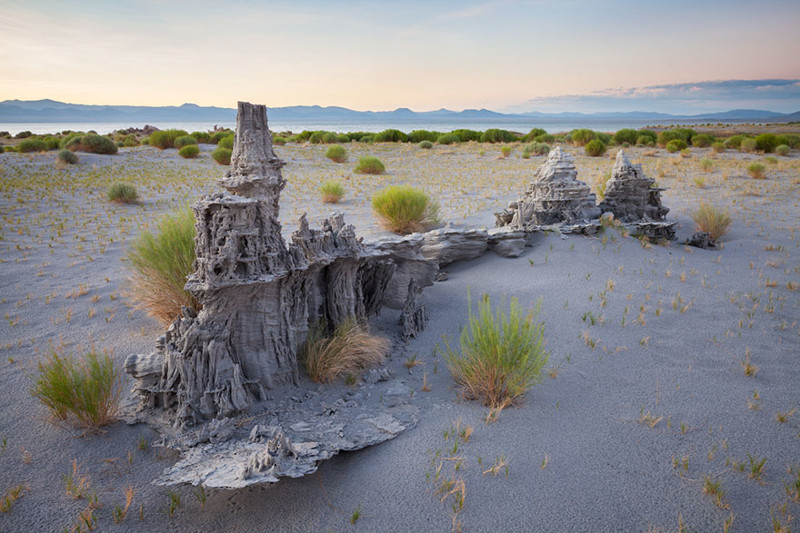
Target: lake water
[514, 124]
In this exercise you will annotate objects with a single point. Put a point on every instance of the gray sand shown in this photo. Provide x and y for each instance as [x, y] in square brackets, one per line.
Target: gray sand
[581, 455]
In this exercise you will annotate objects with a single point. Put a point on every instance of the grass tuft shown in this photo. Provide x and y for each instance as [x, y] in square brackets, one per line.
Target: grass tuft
[86, 391]
[403, 209]
[369, 165]
[336, 153]
[161, 264]
[332, 191]
[502, 354]
[757, 171]
[712, 220]
[123, 193]
[349, 350]
[222, 155]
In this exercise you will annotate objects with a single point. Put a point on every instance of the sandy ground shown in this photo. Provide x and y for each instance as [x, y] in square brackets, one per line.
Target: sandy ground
[645, 394]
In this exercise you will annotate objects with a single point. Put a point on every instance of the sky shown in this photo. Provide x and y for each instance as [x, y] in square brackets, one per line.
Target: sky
[504, 55]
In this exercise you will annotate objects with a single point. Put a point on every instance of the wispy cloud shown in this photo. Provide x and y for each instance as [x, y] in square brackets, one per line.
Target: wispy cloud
[770, 94]
[471, 12]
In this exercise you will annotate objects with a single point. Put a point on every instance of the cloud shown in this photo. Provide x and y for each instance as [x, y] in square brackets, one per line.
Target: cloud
[706, 96]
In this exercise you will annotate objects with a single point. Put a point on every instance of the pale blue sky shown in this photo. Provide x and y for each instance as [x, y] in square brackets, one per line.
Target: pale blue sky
[503, 55]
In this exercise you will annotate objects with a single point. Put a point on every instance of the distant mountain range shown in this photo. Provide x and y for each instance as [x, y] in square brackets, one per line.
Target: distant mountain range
[33, 111]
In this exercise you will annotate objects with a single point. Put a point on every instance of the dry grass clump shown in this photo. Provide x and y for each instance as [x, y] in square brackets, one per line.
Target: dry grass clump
[757, 171]
[161, 264]
[332, 191]
[712, 220]
[85, 391]
[403, 209]
[123, 193]
[501, 355]
[349, 350]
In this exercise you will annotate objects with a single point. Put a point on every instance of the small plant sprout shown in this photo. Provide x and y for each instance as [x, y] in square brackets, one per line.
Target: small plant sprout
[174, 502]
[544, 462]
[75, 483]
[648, 419]
[500, 464]
[143, 444]
[783, 417]
[749, 368]
[412, 361]
[10, 497]
[713, 488]
[201, 495]
[356, 515]
[425, 386]
[756, 466]
[121, 511]
[793, 486]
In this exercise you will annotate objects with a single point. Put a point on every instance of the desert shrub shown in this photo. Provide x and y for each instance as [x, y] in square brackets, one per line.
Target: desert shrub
[23, 135]
[332, 191]
[319, 137]
[643, 140]
[465, 135]
[417, 136]
[626, 136]
[702, 140]
[52, 142]
[676, 145]
[545, 138]
[771, 159]
[129, 141]
[448, 138]
[538, 148]
[348, 351]
[734, 141]
[391, 136]
[718, 147]
[595, 148]
[184, 140]
[98, 144]
[369, 165]
[145, 141]
[9, 148]
[336, 153]
[581, 136]
[342, 138]
[650, 134]
[122, 193]
[747, 145]
[604, 137]
[505, 151]
[600, 188]
[682, 134]
[757, 171]
[227, 141]
[403, 209]
[201, 137]
[531, 135]
[367, 139]
[160, 266]
[85, 392]
[65, 156]
[782, 149]
[526, 153]
[427, 145]
[190, 151]
[789, 139]
[686, 152]
[222, 155]
[766, 142]
[356, 135]
[278, 140]
[495, 135]
[706, 165]
[217, 136]
[165, 138]
[72, 141]
[713, 221]
[502, 354]
[31, 145]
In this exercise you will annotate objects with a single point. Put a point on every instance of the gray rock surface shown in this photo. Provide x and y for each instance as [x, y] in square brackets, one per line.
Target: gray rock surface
[507, 241]
[450, 244]
[554, 196]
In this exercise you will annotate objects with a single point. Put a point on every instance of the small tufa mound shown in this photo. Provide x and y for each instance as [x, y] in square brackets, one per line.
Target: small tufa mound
[630, 195]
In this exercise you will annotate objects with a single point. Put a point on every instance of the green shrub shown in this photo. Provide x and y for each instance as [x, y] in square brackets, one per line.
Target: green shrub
[227, 141]
[502, 354]
[86, 392]
[718, 147]
[531, 135]
[129, 141]
[217, 136]
[391, 136]
[702, 140]
[649, 134]
[336, 153]
[367, 139]
[545, 138]
[65, 156]
[595, 148]
[734, 141]
[465, 135]
[52, 142]
[166, 138]
[23, 135]
[369, 165]
[713, 221]
[184, 140]
[626, 136]
[190, 151]
[342, 138]
[782, 150]
[417, 136]
[676, 145]
[322, 137]
[332, 191]
[448, 138]
[505, 151]
[278, 140]
[222, 155]
[427, 145]
[72, 141]
[526, 153]
[681, 134]
[349, 351]
[766, 142]
[98, 144]
[201, 136]
[31, 145]
[122, 193]
[747, 145]
[161, 264]
[642, 140]
[356, 135]
[495, 135]
[771, 159]
[145, 141]
[538, 148]
[789, 139]
[581, 137]
[706, 165]
[757, 171]
[9, 148]
[403, 209]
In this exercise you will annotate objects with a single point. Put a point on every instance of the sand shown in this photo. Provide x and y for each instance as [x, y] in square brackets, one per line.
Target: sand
[599, 445]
